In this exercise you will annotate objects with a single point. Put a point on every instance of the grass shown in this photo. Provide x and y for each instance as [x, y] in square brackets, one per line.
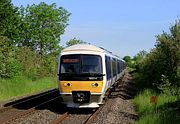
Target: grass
[160, 113]
[19, 86]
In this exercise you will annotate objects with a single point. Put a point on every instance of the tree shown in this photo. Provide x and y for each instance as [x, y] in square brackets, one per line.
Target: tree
[163, 62]
[42, 27]
[9, 21]
[9, 34]
[168, 48]
[139, 56]
[74, 41]
[127, 58]
[9, 66]
[129, 61]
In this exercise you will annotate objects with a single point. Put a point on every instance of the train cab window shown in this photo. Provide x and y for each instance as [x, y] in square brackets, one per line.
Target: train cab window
[91, 64]
[81, 67]
[70, 64]
[81, 64]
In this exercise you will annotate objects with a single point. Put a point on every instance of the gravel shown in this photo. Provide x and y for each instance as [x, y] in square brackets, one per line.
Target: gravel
[117, 111]
[39, 117]
[75, 119]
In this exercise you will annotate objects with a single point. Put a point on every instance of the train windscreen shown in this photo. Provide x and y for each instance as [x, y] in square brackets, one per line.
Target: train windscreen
[70, 64]
[80, 66]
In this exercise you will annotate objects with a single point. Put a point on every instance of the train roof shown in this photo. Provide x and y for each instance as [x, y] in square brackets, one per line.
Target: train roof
[87, 47]
[82, 47]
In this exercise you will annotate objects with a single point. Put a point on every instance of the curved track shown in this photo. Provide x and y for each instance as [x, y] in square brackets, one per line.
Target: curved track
[83, 116]
[87, 119]
[87, 116]
[27, 105]
[51, 110]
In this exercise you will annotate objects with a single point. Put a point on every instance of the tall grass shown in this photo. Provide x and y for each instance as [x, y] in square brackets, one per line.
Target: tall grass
[19, 86]
[160, 113]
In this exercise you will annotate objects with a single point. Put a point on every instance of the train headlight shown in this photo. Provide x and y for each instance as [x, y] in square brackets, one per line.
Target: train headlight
[67, 84]
[94, 84]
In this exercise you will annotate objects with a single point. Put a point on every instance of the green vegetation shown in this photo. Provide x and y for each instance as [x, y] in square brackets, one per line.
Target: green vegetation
[19, 86]
[42, 25]
[29, 47]
[74, 41]
[160, 113]
[157, 73]
[163, 61]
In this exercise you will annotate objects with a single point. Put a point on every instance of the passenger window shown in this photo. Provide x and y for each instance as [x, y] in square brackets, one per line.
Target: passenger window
[108, 67]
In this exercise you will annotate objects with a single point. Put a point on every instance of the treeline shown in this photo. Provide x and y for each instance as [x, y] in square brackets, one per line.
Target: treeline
[157, 74]
[160, 68]
[30, 38]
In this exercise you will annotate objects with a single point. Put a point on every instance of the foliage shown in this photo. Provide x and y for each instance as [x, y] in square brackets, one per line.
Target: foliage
[42, 25]
[127, 59]
[9, 21]
[74, 41]
[136, 60]
[9, 65]
[29, 46]
[163, 60]
[29, 39]
[167, 88]
[25, 60]
[9, 34]
[168, 47]
[159, 70]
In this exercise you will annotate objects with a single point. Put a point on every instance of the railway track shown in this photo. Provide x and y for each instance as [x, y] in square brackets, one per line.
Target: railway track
[84, 116]
[87, 119]
[21, 108]
[30, 97]
[51, 110]
[27, 105]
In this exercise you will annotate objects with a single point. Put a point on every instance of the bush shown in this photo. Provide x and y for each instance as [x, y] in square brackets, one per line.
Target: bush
[36, 66]
[162, 60]
[9, 66]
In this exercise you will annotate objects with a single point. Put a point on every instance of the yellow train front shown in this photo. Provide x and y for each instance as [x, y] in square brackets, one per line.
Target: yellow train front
[83, 79]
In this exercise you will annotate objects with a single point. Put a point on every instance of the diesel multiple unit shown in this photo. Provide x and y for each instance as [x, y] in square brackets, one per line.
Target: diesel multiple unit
[86, 72]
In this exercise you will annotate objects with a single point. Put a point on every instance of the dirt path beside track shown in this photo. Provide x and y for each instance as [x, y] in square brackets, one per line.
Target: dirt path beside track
[119, 109]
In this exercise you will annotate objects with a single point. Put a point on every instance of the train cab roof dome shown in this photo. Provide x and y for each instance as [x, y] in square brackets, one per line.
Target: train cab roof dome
[82, 47]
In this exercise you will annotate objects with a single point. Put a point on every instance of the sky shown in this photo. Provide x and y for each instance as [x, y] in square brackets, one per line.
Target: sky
[123, 27]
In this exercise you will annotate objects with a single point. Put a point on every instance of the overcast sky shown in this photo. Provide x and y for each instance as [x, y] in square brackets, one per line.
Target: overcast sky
[122, 26]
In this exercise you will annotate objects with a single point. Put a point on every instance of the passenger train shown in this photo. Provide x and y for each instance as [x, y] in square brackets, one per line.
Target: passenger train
[86, 72]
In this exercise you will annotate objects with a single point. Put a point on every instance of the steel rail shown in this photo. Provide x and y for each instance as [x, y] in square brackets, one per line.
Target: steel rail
[35, 97]
[60, 118]
[97, 111]
[93, 115]
[26, 112]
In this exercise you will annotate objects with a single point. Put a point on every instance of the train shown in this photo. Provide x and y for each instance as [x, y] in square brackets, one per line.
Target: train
[85, 74]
